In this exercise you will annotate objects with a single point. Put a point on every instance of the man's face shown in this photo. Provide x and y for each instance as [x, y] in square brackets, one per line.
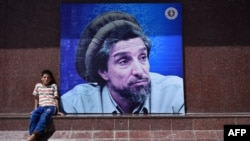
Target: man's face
[127, 75]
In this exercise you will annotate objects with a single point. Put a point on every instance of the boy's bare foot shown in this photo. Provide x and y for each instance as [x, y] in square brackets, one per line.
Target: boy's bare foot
[31, 138]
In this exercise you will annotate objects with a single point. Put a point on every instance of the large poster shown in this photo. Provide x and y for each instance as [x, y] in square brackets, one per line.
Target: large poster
[121, 58]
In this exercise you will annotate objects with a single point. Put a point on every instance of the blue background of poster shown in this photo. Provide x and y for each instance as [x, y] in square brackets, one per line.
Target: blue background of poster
[166, 56]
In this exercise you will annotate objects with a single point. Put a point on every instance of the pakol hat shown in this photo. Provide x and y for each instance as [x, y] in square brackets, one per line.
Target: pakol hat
[93, 37]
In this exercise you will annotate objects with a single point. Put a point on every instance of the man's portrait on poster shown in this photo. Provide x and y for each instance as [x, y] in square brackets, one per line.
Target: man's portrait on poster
[120, 63]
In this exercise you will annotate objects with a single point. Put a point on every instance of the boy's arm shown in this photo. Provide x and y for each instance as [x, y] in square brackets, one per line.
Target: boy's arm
[57, 106]
[36, 102]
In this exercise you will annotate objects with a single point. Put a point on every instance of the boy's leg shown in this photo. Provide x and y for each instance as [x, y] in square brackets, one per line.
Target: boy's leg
[45, 118]
[34, 118]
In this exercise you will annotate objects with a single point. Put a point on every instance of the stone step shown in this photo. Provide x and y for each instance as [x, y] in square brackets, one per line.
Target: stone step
[105, 127]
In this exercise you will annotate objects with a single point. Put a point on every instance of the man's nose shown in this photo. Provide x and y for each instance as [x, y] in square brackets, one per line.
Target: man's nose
[137, 68]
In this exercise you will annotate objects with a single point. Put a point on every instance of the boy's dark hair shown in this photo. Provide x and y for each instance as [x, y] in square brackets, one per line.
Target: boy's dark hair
[53, 81]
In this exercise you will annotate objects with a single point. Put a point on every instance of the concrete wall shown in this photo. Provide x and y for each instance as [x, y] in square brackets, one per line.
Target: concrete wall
[216, 51]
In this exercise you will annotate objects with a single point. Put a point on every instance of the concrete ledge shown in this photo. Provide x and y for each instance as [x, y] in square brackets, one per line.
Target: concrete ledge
[189, 121]
[96, 127]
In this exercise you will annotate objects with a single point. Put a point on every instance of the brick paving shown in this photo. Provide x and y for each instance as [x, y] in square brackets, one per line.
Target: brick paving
[157, 135]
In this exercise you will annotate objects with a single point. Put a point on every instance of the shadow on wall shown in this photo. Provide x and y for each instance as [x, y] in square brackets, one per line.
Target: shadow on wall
[31, 24]
[220, 23]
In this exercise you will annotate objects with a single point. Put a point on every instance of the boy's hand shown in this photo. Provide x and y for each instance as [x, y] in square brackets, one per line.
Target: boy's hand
[59, 114]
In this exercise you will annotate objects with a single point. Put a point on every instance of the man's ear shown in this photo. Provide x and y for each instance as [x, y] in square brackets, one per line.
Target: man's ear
[103, 74]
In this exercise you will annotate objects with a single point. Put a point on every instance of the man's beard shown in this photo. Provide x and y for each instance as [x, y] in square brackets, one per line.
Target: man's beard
[135, 94]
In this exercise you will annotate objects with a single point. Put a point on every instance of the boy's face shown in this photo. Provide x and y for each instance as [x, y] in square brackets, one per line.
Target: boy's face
[46, 79]
[128, 68]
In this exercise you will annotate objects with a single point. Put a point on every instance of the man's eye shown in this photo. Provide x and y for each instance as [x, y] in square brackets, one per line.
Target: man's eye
[143, 57]
[123, 62]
